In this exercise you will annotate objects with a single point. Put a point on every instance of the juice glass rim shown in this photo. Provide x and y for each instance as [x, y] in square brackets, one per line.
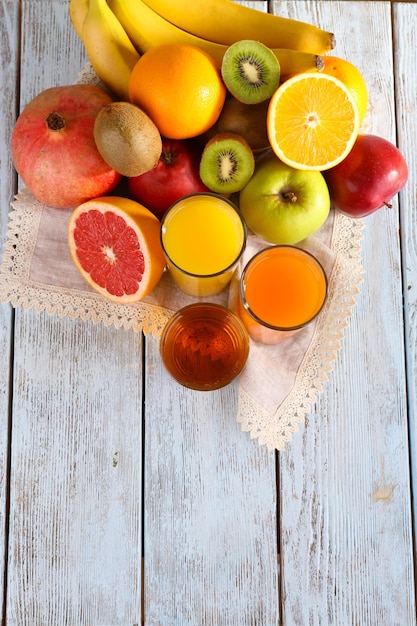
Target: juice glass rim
[246, 304]
[232, 206]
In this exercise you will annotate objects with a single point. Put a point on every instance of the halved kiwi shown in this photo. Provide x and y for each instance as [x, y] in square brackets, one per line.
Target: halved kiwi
[227, 163]
[250, 71]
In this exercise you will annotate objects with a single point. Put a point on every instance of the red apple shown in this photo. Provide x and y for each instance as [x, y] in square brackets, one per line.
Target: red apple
[368, 178]
[175, 175]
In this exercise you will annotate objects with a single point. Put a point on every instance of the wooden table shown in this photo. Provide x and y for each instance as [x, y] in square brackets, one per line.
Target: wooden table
[124, 496]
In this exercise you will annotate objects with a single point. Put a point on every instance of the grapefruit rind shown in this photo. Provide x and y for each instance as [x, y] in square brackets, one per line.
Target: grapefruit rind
[145, 226]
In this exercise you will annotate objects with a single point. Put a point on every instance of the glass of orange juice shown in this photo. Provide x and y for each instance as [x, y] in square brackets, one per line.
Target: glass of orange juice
[204, 346]
[282, 289]
[203, 237]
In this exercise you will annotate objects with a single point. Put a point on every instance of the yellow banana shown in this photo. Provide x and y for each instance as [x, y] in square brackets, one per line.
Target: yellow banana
[226, 22]
[296, 61]
[77, 12]
[147, 29]
[108, 47]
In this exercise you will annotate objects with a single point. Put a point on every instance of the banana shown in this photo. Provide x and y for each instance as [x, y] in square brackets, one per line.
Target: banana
[226, 22]
[77, 12]
[296, 61]
[147, 29]
[108, 47]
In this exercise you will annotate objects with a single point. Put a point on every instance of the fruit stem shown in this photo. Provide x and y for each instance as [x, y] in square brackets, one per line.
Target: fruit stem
[167, 157]
[289, 196]
[55, 121]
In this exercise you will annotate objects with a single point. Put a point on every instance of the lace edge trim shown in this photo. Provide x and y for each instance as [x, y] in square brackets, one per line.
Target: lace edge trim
[273, 431]
[17, 288]
[276, 431]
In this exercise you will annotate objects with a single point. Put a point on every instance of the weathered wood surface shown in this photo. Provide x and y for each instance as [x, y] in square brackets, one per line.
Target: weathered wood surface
[104, 459]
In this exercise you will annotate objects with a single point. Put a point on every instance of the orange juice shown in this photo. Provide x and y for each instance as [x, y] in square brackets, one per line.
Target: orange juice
[282, 289]
[203, 237]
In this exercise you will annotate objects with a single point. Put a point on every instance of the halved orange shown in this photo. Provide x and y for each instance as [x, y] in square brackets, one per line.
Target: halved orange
[115, 244]
[312, 121]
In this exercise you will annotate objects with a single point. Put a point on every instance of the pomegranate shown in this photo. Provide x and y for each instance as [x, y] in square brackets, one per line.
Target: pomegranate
[53, 146]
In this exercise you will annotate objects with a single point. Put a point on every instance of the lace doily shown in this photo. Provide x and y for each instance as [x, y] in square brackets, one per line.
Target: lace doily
[275, 428]
[279, 384]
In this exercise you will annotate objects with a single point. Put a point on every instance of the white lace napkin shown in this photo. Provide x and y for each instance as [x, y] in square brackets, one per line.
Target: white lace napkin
[279, 383]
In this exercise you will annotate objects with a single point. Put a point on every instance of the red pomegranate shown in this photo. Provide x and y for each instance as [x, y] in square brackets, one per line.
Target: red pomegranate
[53, 147]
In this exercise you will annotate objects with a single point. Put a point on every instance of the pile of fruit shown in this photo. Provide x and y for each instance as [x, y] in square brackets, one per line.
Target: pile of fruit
[200, 96]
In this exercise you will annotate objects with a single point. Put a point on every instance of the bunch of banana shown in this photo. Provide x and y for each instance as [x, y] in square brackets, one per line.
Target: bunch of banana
[226, 22]
[146, 28]
[116, 32]
[108, 47]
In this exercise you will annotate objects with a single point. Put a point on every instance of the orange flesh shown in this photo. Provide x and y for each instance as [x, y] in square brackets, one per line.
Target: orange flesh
[109, 250]
[312, 121]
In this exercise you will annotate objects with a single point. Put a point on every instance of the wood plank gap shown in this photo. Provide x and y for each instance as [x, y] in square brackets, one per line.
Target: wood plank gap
[406, 307]
[8, 465]
[17, 89]
[142, 580]
[142, 603]
[142, 509]
[7, 474]
[407, 383]
[278, 538]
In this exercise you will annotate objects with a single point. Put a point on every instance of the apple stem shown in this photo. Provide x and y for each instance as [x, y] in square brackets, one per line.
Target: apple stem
[388, 205]
[55, 121]
[289, 196]
[167, 158]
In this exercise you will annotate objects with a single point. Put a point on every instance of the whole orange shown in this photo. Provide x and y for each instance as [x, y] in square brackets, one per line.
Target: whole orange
[180, 87]
[350, 75]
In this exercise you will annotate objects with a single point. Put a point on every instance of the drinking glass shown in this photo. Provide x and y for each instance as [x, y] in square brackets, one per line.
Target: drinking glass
[282, 289]
[203, 237]
[204, 346]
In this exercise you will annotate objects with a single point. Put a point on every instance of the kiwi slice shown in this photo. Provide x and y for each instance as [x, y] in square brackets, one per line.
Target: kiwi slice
[250, 71]
[247, 120]
[227, 163]
[127, 139]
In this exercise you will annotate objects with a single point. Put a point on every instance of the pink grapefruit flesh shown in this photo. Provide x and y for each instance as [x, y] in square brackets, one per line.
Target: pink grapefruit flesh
[114, 242]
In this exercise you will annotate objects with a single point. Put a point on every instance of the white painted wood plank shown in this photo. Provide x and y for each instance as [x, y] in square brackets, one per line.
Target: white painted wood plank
[210, 510]
[345, 502]
[9, 65]
[75, 518]
[211, 551]
[406, 100]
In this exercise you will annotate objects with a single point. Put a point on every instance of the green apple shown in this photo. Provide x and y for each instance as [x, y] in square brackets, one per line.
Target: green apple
[284, 205]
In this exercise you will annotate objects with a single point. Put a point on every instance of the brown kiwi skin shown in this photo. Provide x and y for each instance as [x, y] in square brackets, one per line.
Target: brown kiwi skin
[247, 120]
[127, 139]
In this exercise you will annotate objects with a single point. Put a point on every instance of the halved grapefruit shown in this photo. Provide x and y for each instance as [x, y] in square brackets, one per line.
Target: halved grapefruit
[115, 244]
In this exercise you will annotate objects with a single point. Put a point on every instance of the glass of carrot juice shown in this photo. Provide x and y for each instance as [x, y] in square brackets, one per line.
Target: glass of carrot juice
[203, 237]
[282, 289]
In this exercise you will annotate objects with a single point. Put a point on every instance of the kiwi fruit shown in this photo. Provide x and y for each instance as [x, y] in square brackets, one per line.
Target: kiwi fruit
[127, 138]
[247, 120]
[250, 71]
[227, 163]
